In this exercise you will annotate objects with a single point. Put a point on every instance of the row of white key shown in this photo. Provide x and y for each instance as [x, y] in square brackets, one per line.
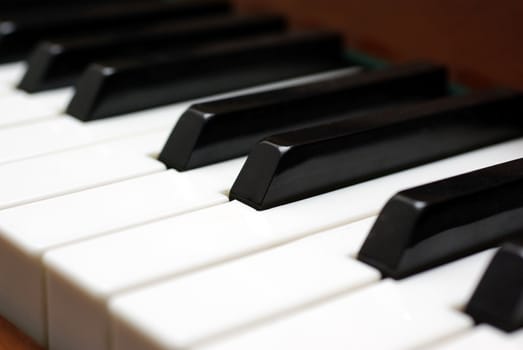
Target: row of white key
[174, 247]
[208, 309]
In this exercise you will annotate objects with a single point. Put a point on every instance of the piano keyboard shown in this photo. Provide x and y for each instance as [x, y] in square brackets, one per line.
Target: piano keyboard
[174, 175]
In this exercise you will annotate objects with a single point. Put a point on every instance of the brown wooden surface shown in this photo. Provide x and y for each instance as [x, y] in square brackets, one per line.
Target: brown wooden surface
[479, 39]
[12, 339]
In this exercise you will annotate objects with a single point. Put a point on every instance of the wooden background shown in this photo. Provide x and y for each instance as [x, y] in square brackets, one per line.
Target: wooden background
[479, 39]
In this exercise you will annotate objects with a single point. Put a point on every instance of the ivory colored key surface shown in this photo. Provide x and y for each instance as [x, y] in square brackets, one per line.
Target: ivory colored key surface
[196, 240]
[450, 285]
[19, 107]
[182, 313]
[78, 216]
[436, 289]
[479, 338]
[49, 176]
[85, 214]
[65, 132]
[171, 315]
[377, 317]
[11, 73]
[45, 177]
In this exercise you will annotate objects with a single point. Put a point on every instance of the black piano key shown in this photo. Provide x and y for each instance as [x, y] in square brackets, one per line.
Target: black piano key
[30, 5]
[125, 86]
[433, 224]
[219, 130]
[56, 64]
[296, 165]
[19, 32]
[498, 299]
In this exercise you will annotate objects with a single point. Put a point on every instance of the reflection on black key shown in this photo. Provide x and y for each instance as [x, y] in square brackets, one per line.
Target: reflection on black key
[433, 224]
[498, 299]
[21, 31]
[57, 63]
[293, 166]
[131, 85]
[215, 131]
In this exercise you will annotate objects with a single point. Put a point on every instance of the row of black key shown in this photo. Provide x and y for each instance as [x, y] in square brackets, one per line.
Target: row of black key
[20, 31]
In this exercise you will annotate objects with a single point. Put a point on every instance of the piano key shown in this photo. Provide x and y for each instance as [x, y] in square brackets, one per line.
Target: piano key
[75, 217]
[378, 317]
[56, 174]
[10, 74]
[419, 229]
[152, 253]
[498, 297]
[20, 108]
[28, 141]
[183, 312]
[21, 31]
[148, 144]
[482, 337]
[64, 132]
[224, 129]
[449, 285]
[299, 164]
[106, 89]
[58, 63]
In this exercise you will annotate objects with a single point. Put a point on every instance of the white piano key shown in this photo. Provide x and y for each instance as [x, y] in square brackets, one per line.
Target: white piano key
[153, 252]
[41, 178]
[450, 285]
[222, 176]
[78, 216]
[482, 337]
[358, 233]
[37, 139]
[149, 144]
[183, 312]
[53, 175]
[5, 90]
[11, 73]
[19, 107]
[377, 317]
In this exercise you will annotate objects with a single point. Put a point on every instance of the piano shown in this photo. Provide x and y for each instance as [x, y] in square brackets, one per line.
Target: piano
[197, 174]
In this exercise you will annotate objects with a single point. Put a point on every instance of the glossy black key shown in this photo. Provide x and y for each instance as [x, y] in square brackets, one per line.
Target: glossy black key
[219, 130]
[58, 63]
[296, 165]
[30, 5]
[433, 224]
[110, 89]
[20, 32]
[498, 299]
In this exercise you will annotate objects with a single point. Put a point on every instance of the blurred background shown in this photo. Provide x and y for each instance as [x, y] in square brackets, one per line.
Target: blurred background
[479, 39]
